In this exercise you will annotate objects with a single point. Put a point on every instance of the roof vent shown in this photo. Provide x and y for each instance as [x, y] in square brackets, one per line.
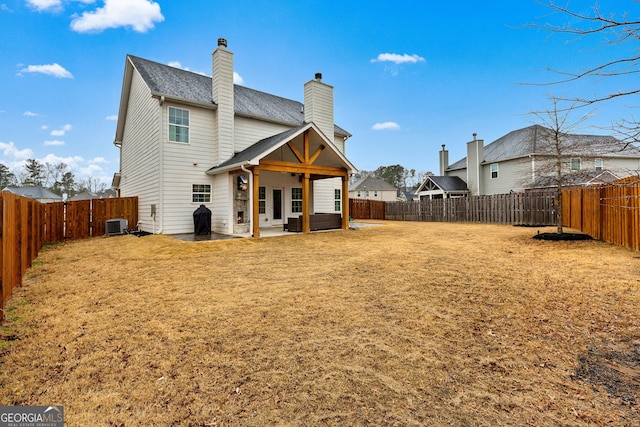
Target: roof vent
[318, 76]
[222, 42]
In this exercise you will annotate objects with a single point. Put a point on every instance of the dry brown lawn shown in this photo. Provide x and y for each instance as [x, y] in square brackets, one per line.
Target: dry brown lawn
[406, 324]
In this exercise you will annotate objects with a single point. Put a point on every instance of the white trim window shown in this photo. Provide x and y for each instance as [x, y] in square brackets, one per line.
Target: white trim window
[178, 125]
[337, 200]
[494, 170]
[201, 193]
[296, 200]
[599, 164]
[262, 200]
[575, 163]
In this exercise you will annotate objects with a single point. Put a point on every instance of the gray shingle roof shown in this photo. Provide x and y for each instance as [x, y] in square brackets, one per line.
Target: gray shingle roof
[530, 140]
[33, 192]
[193, 87]
[371, 183]
[259, 148]
[449, 183]
[576, 178]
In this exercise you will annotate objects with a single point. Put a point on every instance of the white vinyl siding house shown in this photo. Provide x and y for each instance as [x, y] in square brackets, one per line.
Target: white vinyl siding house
[140, 152]
[183, 165]
[513, 174]
[185, 139]
[515, 161]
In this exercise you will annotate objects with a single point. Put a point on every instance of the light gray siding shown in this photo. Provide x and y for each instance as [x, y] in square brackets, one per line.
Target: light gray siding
[249, 131]
[318, 106]
[221, 220]
[140, 154]
[512, 176]
[324, 194]
[185, 164]
[222, 94]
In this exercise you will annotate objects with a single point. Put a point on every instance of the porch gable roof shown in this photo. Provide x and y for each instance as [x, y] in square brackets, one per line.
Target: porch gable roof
[252, 155]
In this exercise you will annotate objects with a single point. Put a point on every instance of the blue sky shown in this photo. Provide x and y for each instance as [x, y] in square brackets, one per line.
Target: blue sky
[409, 76]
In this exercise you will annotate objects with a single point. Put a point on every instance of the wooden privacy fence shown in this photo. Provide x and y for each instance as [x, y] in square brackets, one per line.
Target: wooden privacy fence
[28, 224]
[531, 208]
[366, 209]
[609, 212]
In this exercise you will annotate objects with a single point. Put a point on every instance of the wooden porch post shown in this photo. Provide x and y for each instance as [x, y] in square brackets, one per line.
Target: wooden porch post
[345, 202]
[255, 220]
[306, 204]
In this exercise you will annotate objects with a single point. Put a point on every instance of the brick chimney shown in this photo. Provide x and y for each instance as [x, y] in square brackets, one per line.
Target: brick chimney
[318, 105]
[222, 95]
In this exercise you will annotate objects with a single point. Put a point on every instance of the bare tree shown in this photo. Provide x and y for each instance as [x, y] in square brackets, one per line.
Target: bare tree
[93, 185]
[610, 30]
[560, 151]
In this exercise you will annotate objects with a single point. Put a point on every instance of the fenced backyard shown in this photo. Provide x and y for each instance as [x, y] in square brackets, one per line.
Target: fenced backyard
[516, 208]
[28, 224]
[609, 212]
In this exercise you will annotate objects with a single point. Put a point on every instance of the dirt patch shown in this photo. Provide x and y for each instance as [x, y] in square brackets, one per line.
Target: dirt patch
[614, 369]
[556, 237]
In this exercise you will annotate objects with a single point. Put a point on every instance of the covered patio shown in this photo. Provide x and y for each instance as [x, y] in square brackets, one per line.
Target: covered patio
[296, 163]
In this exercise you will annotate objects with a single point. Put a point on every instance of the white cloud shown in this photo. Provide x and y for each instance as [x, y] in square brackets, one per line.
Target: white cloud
[54, 69]
[30, 114]
[177, 64]
[9, 149]
[137, 14]
[45, 5]
[54, 142]
[72, 161]
[5, 8]
[112, 117]
[386, 126]
[398, 59]
[44, 127]
[237, 79]
[91, 170]
[96, 160]
[62, 131]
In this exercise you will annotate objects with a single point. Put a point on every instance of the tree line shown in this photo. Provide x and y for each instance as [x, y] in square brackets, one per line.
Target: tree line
[397, 175]
[57, 178]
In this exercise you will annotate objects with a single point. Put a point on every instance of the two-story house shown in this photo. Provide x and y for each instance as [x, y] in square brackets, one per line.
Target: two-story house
[526, 158]
[254, 159]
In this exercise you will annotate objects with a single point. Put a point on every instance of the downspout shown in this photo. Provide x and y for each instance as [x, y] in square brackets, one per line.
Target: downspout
[250, 190]
[160, 208]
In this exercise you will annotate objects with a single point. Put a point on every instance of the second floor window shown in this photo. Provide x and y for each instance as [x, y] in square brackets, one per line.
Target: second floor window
[575, 164]
[598, 164]
[178, 125]
[494, 171]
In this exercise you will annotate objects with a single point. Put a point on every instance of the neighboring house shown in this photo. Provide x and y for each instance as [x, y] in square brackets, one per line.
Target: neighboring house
[254, 159]
[514, 161]
[573, 179]
[89, 195]
[441, 187]
[372, 188]
[35, 192]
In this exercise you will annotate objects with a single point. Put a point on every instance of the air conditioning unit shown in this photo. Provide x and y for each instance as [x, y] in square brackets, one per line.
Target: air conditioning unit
[116, 226]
